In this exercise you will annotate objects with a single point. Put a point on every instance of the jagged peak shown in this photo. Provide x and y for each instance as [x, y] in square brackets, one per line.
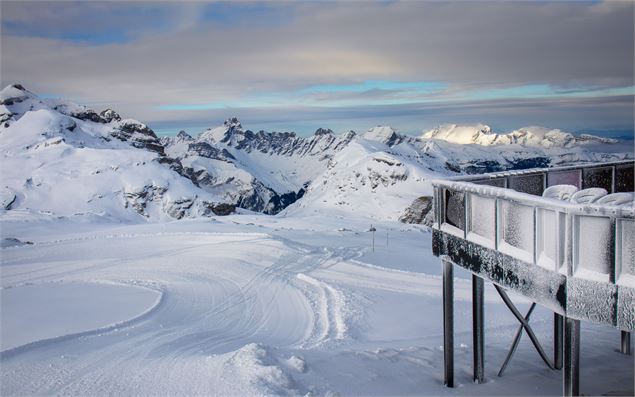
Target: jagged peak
[323, 131]
[350, 134]
[384, 134]
[233, 122]
[184, 136]
[110, 115]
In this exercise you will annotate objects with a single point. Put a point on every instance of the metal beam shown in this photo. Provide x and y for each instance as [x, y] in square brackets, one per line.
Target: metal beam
[525, 325]
[519, 333]
[478, 287]
[448, 324]
[571, 373]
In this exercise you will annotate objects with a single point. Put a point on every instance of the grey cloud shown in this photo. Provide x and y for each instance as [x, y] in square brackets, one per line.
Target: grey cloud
[605, 116]
[466, 45]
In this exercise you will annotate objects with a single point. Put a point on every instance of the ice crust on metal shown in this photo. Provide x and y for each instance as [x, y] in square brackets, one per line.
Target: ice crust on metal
[576, 259]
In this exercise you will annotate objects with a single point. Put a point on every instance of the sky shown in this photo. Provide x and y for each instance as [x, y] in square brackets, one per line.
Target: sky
[299, 66]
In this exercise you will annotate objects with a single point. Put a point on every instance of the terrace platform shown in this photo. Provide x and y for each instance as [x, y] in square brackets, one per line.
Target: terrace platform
[574, 257]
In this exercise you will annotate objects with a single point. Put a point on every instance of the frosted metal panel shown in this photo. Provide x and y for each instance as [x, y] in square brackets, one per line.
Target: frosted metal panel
[517, 230]
[531, 184]
[626, 252]
[571, 177]
[624, 178]
[496, 182]
[482, 229]
[548, 238]
[455, 209]
[597, 177]
[593, 247]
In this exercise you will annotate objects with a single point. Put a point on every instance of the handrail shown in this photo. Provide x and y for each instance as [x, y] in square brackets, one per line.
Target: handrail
[592, 245]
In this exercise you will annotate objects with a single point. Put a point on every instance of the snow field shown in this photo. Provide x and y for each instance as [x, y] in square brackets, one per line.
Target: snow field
[259, 305]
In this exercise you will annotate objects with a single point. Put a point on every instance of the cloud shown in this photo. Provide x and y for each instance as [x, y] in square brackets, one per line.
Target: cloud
[609, 116]
[257, 54]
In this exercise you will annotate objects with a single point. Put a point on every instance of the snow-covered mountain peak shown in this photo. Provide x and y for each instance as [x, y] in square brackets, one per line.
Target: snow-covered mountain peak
[384, 134]
[481, 134]
[184, 136]
[460, 133]
[224, 133]
[14, 93]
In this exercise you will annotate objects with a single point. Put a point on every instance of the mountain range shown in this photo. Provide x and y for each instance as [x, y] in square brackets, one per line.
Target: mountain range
[63, 159]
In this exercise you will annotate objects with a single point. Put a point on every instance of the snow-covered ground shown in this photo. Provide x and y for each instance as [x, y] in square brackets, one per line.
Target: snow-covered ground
[255, 305]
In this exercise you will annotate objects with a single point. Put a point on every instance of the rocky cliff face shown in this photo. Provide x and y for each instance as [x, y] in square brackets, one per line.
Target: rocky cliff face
[255, 170]
[419, 212]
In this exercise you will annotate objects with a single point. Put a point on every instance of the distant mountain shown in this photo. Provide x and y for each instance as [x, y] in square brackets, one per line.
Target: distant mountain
[481, 134]
[64, 159]
[381, 172]
[261, 171]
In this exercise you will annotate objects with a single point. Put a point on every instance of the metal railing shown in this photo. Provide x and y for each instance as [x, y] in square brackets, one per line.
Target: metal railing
[592, 245]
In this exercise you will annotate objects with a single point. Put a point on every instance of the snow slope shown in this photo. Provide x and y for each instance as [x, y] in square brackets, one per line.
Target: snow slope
[260, 305]
[67, 160]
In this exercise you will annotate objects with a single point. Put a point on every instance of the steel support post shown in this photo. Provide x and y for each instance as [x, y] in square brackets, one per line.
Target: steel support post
[625, 347]
[448, 323]
[558, 325]
[571, 373]
[478, 286]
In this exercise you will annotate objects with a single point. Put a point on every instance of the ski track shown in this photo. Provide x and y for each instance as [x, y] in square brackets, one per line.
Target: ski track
[207, 309]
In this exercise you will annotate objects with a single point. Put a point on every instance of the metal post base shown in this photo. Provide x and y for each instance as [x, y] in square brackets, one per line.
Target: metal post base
[625, 347]
[478, 287]
[571, 373]
[448, 324]
[558, 330]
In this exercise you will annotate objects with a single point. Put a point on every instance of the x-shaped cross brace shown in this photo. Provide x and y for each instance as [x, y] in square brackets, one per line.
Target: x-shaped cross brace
[524, 324]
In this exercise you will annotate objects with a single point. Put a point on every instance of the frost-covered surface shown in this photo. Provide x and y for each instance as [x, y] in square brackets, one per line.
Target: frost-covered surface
[261, 305]
[589, 195]
[560, 192]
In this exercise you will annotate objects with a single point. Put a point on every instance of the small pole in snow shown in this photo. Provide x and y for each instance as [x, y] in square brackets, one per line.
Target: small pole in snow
[372, 229]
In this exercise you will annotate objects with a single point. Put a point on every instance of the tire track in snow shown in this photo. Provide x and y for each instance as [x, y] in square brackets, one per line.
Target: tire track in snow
[331, 323]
